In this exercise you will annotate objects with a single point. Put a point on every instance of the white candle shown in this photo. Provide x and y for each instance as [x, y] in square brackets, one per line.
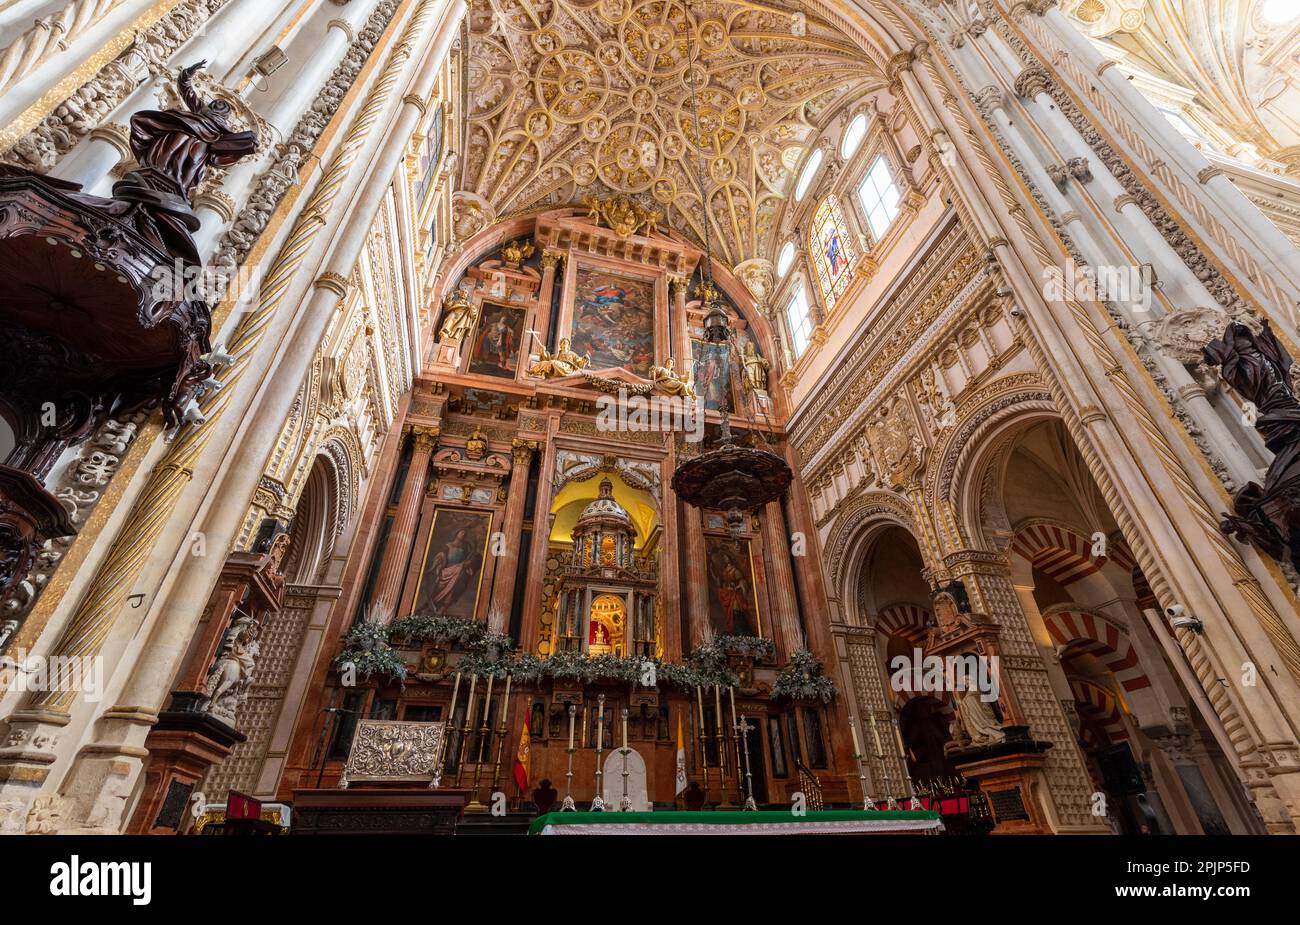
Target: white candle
[875, 734]
[625, 730]
[571, 712]
[600, 725]
[857, 747]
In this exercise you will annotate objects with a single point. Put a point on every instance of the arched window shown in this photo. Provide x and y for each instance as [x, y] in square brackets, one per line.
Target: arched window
[785, 260]
[853, 135]
[832, 250]
[879, 196]
[806, 175]
[798, 318]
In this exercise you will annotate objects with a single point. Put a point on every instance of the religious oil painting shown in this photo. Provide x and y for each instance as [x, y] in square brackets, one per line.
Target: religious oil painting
[453, 563]
[496, 343]
[613, 319]
[733, 599]
[711, 375]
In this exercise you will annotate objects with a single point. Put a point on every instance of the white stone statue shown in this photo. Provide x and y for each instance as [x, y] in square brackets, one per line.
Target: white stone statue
[976, 719]
[232, 672]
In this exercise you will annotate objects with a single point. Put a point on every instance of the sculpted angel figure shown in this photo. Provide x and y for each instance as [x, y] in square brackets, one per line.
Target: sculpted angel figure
[564, 362]
[669, 381]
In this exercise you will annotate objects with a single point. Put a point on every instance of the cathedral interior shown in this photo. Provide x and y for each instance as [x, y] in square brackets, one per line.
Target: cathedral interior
[476, 415]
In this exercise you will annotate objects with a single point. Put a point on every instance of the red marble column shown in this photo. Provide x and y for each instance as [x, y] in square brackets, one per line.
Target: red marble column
[507, 565]
[785, 620]
[697, 576]
[397, 551]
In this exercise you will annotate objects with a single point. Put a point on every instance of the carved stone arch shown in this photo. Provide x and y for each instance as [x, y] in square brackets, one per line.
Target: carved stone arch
[1064, 553]
[340, 445]
[956, 479]
[863, 517]
[907, 620]
[1100, 707]
[1083, 631]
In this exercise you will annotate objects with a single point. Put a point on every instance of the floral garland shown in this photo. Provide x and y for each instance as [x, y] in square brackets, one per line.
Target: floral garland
[366, 650]
[734, 644]
[803, 679]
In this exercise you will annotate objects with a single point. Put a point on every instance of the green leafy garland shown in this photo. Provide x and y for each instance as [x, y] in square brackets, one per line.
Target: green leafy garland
[803, 679]
[369, 648]
[366, 649]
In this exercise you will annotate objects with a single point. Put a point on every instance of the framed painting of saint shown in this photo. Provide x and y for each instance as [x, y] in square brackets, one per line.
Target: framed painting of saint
[613, 319]
[452, 574]
[500, 333]
[711, 374]
[733, 597]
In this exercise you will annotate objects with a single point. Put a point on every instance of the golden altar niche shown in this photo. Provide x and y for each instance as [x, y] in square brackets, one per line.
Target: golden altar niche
[606, 598]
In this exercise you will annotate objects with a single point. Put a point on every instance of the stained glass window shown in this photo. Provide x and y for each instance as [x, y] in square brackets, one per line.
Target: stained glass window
[832, 250]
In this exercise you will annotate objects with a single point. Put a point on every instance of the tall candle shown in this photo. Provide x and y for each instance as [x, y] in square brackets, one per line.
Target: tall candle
[699, 695]
[505, 699]
[584, 725]
[717, 706]
[624, 729]
[875, 734]
[571, 712]
[600, 725]
[455, 689]
[469, 707]
[898, 734]
[857, 747]
[731, 692]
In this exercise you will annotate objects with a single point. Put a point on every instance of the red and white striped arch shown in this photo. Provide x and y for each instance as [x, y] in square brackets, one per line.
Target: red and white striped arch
[907, 621]
[1083, 631]
[1064, 553]
[1101, 708]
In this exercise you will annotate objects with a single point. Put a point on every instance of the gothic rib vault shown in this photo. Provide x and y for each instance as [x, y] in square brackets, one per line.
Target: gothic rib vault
[570, 98]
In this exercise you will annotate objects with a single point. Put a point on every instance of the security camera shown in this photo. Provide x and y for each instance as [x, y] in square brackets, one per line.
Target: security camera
[1016, 313]
[1179, 618]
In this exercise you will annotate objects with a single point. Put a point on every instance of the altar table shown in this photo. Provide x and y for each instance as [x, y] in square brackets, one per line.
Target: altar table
[766, 822]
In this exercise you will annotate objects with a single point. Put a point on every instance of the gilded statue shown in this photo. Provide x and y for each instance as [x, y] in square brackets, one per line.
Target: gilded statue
[755, 368]
[517, 252]
[457, 317]
[564, 362]
[666, 380]
[622, 215]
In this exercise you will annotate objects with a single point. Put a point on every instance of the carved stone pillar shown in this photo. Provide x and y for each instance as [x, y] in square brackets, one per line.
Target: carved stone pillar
[397, 552]
[507, 565]
[986, 577]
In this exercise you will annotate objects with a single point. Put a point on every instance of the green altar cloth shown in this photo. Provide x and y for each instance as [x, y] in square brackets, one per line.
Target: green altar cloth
[767, 822]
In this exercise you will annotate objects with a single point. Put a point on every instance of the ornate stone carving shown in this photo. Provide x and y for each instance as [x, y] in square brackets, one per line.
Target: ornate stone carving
[623, 215]
[896, 446]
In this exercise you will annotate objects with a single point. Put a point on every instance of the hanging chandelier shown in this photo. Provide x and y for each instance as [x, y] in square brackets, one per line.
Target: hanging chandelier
[730, 478]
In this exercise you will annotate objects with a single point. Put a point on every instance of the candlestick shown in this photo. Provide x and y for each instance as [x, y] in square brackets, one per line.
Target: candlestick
[704, 749]
[598, 802]
[625, 727]
[484, 741]
[853, 731]
[463, 745]
[625, 804]
[745, 729]
[722, 748]
[568, 806]
[439, 766]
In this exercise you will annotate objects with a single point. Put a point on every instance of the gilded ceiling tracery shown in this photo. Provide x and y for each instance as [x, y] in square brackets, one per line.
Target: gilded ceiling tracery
[571, 98]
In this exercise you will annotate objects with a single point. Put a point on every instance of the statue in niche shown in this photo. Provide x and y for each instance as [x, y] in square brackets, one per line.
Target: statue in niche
[975, 723]
[232, 672]
[670, 382]
[1258, 368]
[457, 317]
[755, 368]
[564, 362]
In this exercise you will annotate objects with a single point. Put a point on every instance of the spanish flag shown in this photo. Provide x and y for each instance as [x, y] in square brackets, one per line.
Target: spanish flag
[521, 757]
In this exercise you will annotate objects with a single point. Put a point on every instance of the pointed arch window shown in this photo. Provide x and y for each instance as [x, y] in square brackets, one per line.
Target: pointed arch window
[833, 253]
